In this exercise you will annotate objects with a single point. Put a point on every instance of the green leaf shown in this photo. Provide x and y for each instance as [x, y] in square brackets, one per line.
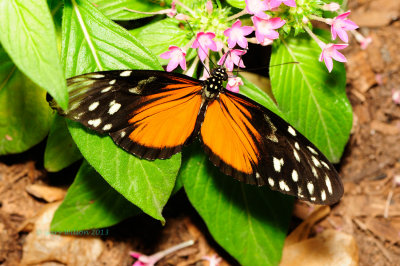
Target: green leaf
[237, 3]
[25, 115]
[158, 36]
[27, 34]
[61, 150]
[91, 203]
[255, 93]
[249, 222]
[92, 42]
[312, 99]
[147, 184]
[115, 9]
[85, 49]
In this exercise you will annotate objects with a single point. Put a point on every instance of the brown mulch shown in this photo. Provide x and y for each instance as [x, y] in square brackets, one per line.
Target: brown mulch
[370, 169]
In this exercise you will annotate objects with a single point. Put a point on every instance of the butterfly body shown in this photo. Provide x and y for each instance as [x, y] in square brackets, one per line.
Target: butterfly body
[153, 114]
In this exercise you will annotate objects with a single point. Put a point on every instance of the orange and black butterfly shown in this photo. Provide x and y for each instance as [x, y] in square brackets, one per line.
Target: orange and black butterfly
[153, 114]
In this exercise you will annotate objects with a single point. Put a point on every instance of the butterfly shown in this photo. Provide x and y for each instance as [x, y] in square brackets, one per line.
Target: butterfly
[153, 114]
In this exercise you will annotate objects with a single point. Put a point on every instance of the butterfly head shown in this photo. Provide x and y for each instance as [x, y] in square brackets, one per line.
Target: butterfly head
[214, 84]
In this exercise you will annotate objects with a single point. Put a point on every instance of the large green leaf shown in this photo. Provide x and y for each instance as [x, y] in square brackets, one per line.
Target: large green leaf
[114, 9]
[25, 115]
[91, 203]
[247, 221]
[93, 42]
[312, 99]
[158, 36]
[27, 34]
[61, 150]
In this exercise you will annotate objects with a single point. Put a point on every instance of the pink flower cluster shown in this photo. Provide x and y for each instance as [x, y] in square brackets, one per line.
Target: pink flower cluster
[265, 32]
[265, 29]
[339, 27]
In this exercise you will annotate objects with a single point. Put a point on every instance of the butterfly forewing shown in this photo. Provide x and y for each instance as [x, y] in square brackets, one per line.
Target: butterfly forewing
[151, 114]
[254, 145]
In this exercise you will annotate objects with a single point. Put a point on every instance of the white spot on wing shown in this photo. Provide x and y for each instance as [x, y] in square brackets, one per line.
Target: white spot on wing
[95, 76]
[310, 188]
[94, 122]
[295, 176]
[134, 90]
[114, 107]
[106, 89]
[296, 145]
[315, 161]
[112, 82]
[291, 131]
[325, 165]
[314, 171]
[328, 184]
[313, 198]
[271, 181]
[107, 127]
[93, 106]
[278, 163]
[258, 175]
[296, 155]
[283, 186]
[323, 195]
[123, 133]
[126, 73]
[312, 150]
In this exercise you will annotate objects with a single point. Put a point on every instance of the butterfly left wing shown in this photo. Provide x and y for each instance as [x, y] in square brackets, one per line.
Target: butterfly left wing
[255, 146]
[151, 114]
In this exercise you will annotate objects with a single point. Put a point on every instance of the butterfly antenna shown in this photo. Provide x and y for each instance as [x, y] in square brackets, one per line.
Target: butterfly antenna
[264, 67]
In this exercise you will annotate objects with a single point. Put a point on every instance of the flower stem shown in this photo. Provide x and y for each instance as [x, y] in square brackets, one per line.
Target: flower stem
[185, 7]
[320, 43]
[170, 250]
[241, 13]
[327, 21]
[192, 67]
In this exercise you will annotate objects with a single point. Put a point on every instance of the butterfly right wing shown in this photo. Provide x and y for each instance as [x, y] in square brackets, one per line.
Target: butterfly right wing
[151, 114]
[254, 145]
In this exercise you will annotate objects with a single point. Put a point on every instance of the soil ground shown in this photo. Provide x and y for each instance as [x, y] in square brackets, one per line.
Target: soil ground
[370, 169]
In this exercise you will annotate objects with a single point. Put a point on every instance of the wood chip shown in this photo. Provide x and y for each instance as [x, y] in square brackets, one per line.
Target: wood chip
[47, 193]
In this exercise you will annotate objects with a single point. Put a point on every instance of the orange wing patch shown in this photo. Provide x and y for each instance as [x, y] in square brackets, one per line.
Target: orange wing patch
[227, 133]
[166, 119]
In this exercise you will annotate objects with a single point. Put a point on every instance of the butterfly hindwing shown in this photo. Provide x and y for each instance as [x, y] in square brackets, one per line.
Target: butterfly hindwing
[151, 114]
[256, 146]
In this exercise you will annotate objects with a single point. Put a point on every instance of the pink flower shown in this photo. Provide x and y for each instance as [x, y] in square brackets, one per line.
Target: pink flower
[276, 3]
[143, 260]
[266, 42]
[331, 7]
[340, 25]
[236, 34]
[231, 58]
[233, 84]
[213, 260]
[182, 17]
[177, 56]
[204, 41]
[172, 11]
[265, 28]
[257, 7]
[209, 7]
[329, 52]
